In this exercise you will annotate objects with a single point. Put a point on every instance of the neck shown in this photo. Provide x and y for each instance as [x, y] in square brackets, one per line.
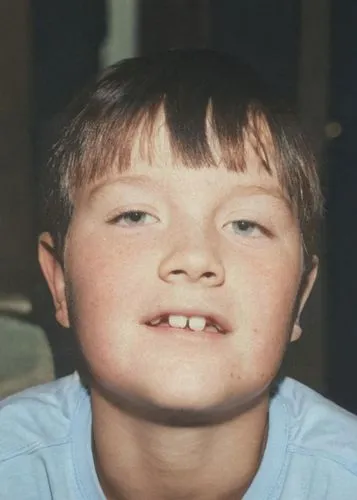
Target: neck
[141, 460]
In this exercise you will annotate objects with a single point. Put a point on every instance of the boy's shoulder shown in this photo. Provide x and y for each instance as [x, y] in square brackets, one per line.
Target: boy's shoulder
[38, 417]
[318, 427]
[311, 451]
[44, 435]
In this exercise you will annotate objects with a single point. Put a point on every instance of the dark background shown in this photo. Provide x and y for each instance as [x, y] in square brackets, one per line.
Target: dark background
[308, 49]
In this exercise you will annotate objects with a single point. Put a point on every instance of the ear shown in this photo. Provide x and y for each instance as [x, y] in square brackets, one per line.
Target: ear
[307, 284]
[53, 273]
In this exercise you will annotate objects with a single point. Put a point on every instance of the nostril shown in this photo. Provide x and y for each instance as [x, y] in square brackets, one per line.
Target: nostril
[207, 274]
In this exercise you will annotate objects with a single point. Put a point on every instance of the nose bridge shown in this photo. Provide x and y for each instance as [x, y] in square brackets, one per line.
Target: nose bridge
[192, 254]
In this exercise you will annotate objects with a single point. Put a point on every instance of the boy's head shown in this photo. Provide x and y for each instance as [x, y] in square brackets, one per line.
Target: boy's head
[203, 95]
[183, 197]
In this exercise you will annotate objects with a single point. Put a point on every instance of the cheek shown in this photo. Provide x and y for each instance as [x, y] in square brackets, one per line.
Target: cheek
[272, 283]
[265, 313]
[104, 270]
[107, 281]
[102, 284]
[98, 317]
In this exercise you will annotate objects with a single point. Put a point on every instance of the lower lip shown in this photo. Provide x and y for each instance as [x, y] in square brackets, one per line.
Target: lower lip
[186, 333]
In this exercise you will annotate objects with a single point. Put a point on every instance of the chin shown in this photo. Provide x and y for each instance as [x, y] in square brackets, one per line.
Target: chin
[180, 406]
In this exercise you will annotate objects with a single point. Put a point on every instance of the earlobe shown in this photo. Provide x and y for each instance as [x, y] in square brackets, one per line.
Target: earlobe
[306, 287]
[53, 273]
[297, 331]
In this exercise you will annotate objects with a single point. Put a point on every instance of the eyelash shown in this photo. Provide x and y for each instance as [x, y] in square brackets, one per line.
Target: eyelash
[124, 216]
[139, 214]
[248, 225]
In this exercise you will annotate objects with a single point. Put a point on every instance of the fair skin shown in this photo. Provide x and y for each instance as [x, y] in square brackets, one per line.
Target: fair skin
[161, 239]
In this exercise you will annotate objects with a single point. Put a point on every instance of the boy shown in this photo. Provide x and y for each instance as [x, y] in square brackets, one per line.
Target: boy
[181, 212]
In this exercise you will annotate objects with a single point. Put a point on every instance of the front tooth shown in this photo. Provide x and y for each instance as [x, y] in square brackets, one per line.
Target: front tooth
[197, 323]
[177, 321]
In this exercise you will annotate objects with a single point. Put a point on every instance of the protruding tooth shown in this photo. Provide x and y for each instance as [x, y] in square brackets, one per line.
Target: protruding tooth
[177, 321]
[155, 322]
[197, 323]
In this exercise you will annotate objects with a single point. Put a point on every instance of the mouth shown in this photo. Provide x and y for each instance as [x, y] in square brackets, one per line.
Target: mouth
[194, 323]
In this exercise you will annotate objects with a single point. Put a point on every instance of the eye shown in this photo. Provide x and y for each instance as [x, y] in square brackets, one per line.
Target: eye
[133, 218]
[247, 228]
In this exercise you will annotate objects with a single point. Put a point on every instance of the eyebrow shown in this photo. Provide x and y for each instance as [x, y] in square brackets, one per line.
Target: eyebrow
[258, 190]
[143, 180]
[126, 180]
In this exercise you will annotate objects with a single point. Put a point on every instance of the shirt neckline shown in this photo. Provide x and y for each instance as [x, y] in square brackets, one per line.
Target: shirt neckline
[266, 481]
[82, 453]
[269, 475]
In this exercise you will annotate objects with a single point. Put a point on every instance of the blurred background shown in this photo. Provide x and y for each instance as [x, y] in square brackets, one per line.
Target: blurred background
[51, 48]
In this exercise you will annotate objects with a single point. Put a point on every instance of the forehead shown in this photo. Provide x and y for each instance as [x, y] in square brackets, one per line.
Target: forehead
[154, 146]
[194, 147]
[155, 164]
[157, 152]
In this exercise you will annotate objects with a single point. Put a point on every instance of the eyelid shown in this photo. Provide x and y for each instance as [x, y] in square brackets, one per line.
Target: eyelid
[115, 219]
[255, 226]
[120, 210]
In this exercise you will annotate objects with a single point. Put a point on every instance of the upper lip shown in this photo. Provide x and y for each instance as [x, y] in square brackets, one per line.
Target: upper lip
[212, 317]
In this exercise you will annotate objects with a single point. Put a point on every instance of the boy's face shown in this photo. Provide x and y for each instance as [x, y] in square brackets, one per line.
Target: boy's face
[160, 243]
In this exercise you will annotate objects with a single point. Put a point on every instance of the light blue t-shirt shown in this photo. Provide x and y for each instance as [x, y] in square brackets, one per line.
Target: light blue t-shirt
[45, 446]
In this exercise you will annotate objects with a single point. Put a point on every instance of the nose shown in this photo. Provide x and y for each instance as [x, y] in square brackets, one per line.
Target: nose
[192, 260]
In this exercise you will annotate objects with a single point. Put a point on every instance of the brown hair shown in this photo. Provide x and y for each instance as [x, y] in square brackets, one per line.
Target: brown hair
[194, 89]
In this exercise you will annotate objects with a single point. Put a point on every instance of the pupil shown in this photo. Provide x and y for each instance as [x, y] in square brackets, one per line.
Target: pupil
[136, 216]
[243, 225]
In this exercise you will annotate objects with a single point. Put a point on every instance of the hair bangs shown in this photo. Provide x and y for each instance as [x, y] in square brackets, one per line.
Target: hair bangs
[107, 145]
[210, 105]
